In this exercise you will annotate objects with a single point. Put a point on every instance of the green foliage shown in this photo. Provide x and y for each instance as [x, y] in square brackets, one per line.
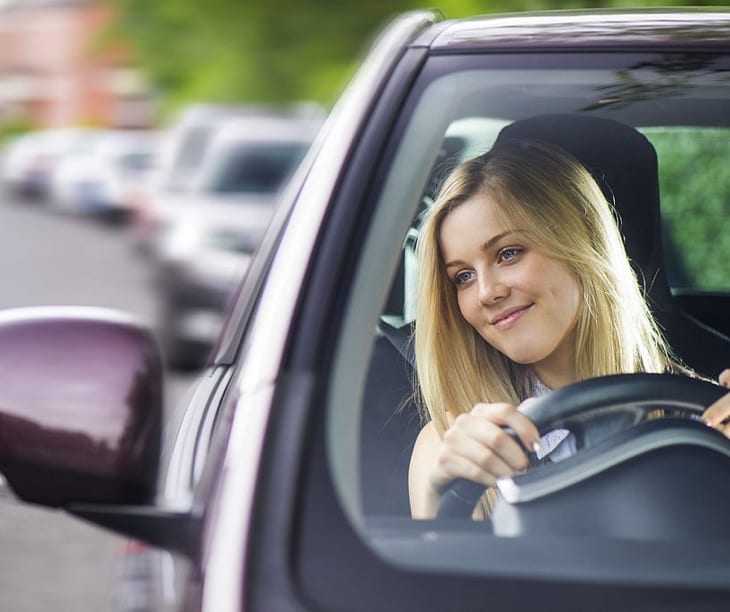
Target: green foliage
[276, 50]
[13, 128]
[695, 195]
[231, 50]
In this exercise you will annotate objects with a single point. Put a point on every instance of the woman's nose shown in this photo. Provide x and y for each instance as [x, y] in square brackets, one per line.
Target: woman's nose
[491, 289]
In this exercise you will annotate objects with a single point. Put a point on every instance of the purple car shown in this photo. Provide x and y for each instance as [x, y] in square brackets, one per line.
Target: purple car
[285, 487]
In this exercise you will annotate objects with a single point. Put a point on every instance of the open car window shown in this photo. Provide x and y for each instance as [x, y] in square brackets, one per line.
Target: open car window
[456, 111]
[695, 208]
[695, 192]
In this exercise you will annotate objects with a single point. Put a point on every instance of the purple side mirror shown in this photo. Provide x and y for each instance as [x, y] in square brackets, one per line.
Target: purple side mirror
[80, 406]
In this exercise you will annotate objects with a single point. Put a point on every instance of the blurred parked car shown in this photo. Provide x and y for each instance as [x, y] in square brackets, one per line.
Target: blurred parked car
[17, 154]
[285, 486]
[207, 235]
[182, 156]
[182, 149]
[32, 158]
[189, 138]
[109, 177]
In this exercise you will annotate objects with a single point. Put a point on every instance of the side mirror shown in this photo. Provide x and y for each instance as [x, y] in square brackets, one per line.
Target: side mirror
[80, 406]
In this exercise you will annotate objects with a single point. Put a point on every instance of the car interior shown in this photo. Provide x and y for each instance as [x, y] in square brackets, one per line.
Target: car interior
[625, 166]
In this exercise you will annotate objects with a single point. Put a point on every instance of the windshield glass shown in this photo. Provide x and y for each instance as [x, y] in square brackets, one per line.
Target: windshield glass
[253, 168]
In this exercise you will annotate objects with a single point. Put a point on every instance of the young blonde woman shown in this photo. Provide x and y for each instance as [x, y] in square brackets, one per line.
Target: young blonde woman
[525, 287]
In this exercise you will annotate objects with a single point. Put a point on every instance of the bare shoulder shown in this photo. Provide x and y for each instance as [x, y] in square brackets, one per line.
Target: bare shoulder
[425, 452]
[427, 443]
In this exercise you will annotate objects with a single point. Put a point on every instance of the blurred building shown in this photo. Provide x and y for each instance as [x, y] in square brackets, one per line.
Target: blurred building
[55, 69]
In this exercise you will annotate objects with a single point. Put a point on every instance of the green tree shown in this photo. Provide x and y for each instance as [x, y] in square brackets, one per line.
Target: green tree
[695, 191]
[230, 50]
[274, 51]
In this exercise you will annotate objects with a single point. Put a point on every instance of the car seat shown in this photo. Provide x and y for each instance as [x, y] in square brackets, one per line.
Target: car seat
[624, 163]
[389, 424]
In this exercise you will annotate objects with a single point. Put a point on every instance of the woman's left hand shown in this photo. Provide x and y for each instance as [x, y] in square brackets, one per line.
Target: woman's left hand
[718, 414]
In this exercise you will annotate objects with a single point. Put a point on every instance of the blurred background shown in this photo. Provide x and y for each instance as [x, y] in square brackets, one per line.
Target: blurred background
[142, 147]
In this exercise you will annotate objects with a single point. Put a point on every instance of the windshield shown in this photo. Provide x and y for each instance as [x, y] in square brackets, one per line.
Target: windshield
[257, 168]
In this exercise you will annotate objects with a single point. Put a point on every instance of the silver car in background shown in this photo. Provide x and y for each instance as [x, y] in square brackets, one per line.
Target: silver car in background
[205, 236]
[30, 160]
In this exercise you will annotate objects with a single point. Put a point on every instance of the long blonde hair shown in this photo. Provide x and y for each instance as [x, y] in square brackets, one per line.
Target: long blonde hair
[561, 212]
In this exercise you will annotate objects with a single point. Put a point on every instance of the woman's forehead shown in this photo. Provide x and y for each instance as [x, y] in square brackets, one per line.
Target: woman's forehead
[475, 223]
[483, 212]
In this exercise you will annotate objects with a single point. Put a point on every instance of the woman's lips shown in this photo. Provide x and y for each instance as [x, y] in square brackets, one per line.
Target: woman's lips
[508, 318]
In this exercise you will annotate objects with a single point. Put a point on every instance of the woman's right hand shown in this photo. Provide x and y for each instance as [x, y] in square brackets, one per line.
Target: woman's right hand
[475, 447]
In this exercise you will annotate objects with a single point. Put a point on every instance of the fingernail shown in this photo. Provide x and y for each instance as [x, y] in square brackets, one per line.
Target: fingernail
[536, 446]
[707, 422]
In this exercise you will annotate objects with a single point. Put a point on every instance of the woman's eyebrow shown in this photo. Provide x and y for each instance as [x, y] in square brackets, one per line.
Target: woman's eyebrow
[485, 247]
[495, 239]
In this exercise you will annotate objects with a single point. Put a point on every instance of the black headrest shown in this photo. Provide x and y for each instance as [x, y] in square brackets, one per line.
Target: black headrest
[624, 164]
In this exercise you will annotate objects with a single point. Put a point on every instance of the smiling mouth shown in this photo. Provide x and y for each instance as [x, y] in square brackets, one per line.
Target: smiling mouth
[509, 318]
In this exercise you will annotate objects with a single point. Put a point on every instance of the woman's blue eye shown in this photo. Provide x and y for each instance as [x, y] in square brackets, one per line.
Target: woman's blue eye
[463, 277]
[508, 254]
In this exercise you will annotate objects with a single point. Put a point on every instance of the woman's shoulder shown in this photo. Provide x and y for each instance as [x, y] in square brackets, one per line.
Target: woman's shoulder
[427, 443]
[425, 452]
[429, 433]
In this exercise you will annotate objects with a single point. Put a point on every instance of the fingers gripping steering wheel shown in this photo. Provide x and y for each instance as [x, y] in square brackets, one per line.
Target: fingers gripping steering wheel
[593, 410]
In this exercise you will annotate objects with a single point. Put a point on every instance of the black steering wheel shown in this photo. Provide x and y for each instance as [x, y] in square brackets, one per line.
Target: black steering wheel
[593, 410]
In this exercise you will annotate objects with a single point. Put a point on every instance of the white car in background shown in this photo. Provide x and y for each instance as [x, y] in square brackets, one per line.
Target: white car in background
[16, 159]
[110, 177]
[30, 161]
[206, 235]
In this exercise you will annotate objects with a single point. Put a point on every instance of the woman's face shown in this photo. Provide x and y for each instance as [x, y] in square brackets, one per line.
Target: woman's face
[520, 301]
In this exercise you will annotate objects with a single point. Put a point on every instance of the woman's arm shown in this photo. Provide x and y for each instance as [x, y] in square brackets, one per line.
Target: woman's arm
[475, 447]
[424, 499]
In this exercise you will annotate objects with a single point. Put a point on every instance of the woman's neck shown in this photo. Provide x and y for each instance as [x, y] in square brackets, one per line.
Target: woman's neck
[559, 368]
[555, 377]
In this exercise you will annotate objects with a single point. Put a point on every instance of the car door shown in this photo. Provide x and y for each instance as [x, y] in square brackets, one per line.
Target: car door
[312, 546]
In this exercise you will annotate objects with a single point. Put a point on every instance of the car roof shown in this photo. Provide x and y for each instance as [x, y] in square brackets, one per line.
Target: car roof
[267, 129]
[585, 28]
